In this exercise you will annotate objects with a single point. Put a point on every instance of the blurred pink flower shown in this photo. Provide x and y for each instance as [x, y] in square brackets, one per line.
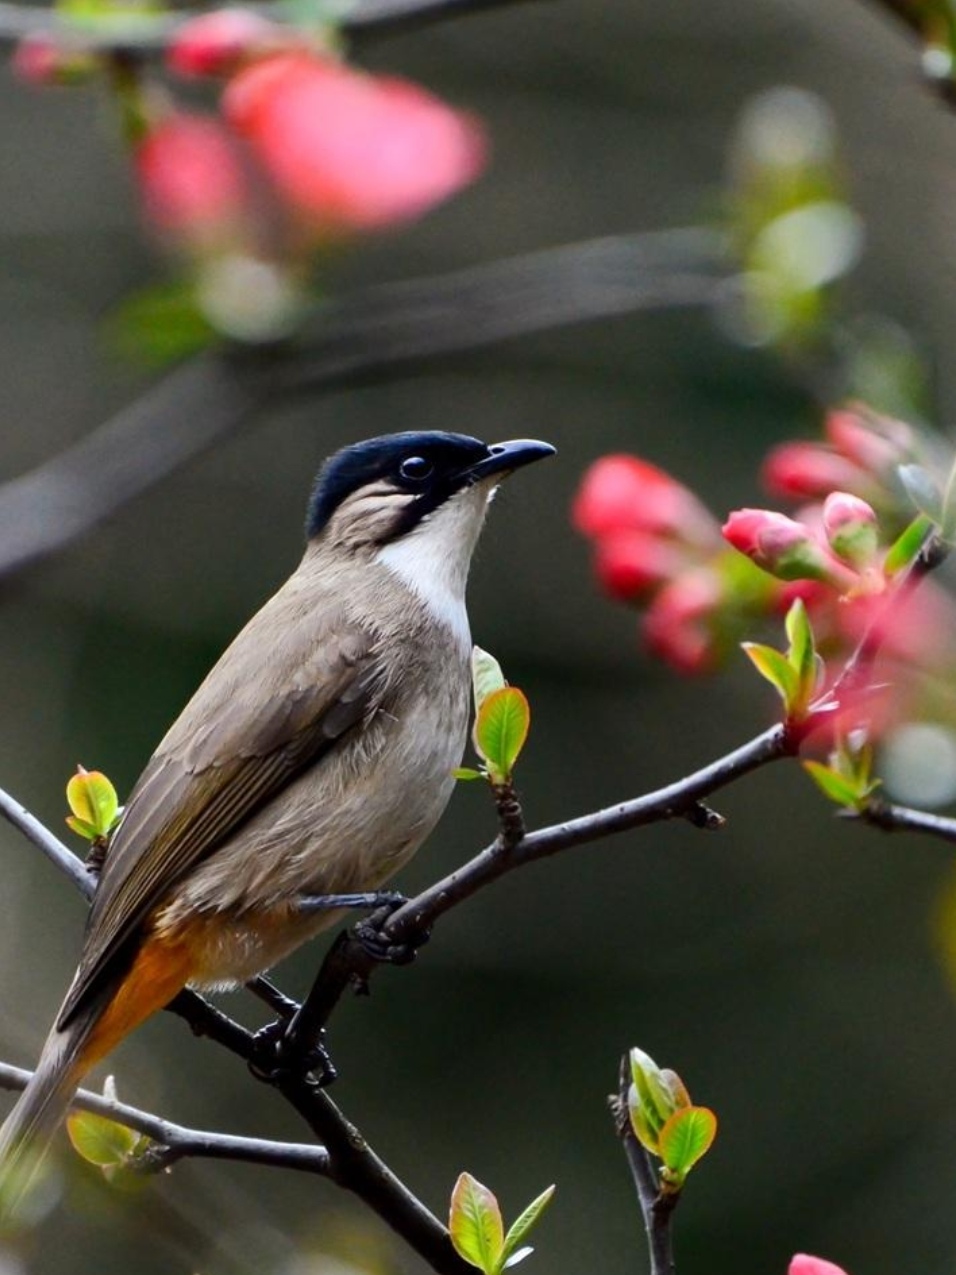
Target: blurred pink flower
[218, 43]
[677, 625]
[351, 151]
[802, 470]
[803, 1264]
[191, 180]
[625, 493]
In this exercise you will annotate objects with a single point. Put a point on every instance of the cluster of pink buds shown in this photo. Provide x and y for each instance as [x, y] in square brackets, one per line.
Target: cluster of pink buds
[842, 551]
[656, 544]
[303, 151]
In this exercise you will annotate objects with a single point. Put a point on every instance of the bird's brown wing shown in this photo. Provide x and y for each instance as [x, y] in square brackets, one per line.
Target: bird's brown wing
[263, 715]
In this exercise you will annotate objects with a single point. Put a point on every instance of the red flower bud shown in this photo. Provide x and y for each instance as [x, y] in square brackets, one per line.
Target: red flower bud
[787, 549]
[630, 562]
[851, 528]
[624, 493]
[807, 471]
[676, 624]
[351, 151]
[874, 443]
[41, 60]
[802, 1264]
[191, 180]
[219, 42]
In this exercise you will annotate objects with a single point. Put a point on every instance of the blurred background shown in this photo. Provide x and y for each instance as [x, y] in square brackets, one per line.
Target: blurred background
[791, 968]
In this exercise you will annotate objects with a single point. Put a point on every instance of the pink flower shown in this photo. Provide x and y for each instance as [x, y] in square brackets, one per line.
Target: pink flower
[624, 493]
[803, 1264]
[807, 471]
[191, 180]
[677, 626]
[851, 528]
[786, 548]
[41, 60]
[217, 43]
[875, 443]
[350, 151]
[629, 563]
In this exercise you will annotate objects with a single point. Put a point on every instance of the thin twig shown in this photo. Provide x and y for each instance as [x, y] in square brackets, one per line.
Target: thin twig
[52, 847]
[893, 818]
[656, 1207]
[176, 1141]
[364, 335]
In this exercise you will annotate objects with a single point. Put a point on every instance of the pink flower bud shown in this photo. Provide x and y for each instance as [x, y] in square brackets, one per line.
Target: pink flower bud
[628, 563]
[625, 493]
[786, 548]
[807, 471]
[851, 528]
[677, 624]
[191, 180]
[876, 444]
[219, 42]
[350, 151]
[41, 60]
[802, 1264]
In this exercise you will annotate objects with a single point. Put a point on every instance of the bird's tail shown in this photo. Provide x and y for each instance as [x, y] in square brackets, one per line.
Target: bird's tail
[26, 1133]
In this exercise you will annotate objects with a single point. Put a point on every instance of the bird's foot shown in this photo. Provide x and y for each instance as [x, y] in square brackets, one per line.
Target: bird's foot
[372, 933]
[309, 903]
[275, 1055]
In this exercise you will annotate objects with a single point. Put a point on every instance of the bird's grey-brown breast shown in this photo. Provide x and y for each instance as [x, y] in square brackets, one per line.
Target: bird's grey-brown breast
[351, 820]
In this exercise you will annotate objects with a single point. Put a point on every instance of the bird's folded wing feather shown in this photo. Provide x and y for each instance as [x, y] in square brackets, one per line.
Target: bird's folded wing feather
[263, 715]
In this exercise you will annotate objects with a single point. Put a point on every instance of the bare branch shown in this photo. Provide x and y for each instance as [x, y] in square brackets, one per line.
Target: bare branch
[372, 332]
[52, 847]
[176, 1141]
[893, 818]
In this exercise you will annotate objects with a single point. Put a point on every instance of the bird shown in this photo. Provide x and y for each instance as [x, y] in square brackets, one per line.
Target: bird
[312, 761]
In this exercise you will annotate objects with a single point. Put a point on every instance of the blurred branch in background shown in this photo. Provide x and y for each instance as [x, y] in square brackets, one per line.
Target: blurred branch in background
[354, 338]
[149, 33]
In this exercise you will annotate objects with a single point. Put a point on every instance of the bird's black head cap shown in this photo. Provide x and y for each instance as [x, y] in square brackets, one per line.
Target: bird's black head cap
[428, 464]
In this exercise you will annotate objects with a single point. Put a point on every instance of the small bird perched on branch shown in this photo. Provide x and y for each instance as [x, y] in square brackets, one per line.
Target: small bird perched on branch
[313, 760]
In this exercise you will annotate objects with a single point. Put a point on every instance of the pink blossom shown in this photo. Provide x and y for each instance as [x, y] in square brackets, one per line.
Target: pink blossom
[191, 180]
[851, 528]
[874, 443]
[803, 1264]
[786, 548]
[350, 151]
[677, 625]
[807, 471]
[217, 43]
[621, 492]
[628, 563]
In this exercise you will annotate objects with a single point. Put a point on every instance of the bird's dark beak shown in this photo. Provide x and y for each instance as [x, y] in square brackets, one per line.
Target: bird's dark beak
[503, 458]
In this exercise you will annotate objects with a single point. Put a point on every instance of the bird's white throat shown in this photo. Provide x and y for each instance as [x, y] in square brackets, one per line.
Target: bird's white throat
[433, 560]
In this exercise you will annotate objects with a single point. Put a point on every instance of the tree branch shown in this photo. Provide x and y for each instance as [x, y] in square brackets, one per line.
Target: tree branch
[372, 332]
[54, 849]
[893, 818]
[176, 1141]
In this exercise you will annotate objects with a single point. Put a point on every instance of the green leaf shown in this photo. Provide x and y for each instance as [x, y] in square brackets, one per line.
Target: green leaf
[522, 1225]
[802, 651]
[81, 827]
[652, 1099]
[907, 545]
[832, 784]
[776, 668]
[517, 1256]
[93, 801]
[685, 1138]
[102, 1142]
[486, 676]
[468, 772]
[160, 325]
[475, 1226]
[501, 729]
[646, 1126]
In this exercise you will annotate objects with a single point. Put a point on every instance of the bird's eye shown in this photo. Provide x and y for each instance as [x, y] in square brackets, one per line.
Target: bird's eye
[415, 469]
